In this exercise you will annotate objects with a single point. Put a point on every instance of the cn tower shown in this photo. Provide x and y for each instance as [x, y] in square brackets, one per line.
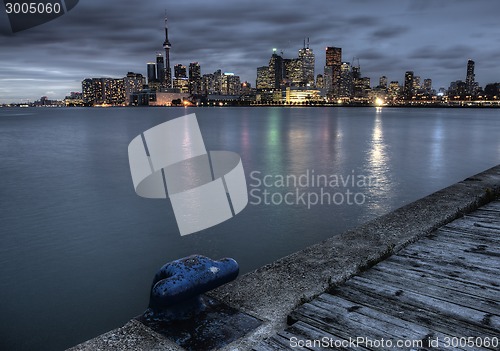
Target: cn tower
[166, 46]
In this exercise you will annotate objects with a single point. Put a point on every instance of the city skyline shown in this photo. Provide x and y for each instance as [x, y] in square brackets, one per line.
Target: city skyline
[402, 36]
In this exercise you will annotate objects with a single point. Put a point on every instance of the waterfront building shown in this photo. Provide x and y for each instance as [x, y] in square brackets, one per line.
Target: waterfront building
[470, 78]
[382, 82]
[334, 60]
[408, 86]
[160, 69]
[307, 59]
[416, 84]
[276, 70]
[151, 69]
[394, 90]
[328, 80]
[181, 84]
[293, 72]
[100, 91]
[194, 78]
[263, 78]
[180, 71]
[428, 85]
[133, 82]
[319, 81]
[231, 84]
[345, 82]
[294, 96]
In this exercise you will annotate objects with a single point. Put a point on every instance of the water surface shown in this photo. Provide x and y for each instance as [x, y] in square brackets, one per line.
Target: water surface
[79, 248]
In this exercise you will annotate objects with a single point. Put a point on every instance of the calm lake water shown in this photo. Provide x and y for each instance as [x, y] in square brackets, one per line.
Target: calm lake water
[79, 248]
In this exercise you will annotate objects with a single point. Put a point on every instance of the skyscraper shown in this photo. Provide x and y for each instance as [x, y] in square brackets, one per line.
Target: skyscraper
[408, 86]
[345, 82]
[333, 56]
[382, 82]
[334, 60]
[133, 83]
[160, 69]
[194, 78]
[167, 46]
[306, 56]
[180, 71]
[262, 82]
[428, 85]
[470, 78]
[276, 70]
[151, 72]
[293, 72]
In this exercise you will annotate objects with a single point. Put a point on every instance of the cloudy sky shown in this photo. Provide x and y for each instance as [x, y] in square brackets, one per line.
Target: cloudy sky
[110, 38]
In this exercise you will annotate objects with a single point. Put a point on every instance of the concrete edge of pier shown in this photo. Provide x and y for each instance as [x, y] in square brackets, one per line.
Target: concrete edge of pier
[271, 292]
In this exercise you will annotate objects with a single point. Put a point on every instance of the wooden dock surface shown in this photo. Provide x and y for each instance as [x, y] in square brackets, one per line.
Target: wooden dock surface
[440, 293]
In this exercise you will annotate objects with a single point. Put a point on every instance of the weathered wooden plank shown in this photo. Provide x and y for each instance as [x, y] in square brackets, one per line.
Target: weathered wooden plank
[270, 345]
[358, 323]
[459, 245]
[295, 341]
[310, 332]
[462, 272]
[428, 319]
[443, 285]
[443, 308]
[445, 282]
[441, 293]
[337, 325]
[481, 214]
[471, 227]
[436, 244]
[443, 258]
[412, 331]
[473, 232]
[465, 237]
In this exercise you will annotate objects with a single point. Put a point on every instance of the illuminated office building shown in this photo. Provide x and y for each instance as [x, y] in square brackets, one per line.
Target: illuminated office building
[180, 71]
[382, 82]
[263, 78]
[194, 78]
[345, 82]
[334, 60]
[307, 59]
[160, 69]
[293, 72]
[276, 70]
[408, 86]
[470, 77]
[151, 72]
[134, 82]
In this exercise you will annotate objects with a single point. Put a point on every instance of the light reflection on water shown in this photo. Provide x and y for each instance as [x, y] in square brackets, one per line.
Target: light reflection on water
[78, 245]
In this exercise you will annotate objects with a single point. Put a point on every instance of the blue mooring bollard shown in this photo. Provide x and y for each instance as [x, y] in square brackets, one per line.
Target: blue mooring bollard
[178, 285]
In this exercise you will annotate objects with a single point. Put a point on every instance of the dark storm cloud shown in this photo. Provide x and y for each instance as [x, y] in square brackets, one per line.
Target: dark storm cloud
[389, 32]
[110, 38]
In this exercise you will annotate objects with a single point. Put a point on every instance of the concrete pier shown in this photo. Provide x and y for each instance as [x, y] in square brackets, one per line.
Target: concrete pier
[274, 291]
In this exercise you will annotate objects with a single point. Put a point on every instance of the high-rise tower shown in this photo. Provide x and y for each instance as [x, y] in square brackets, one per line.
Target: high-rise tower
[306, 55]
[470, 77]
[334, 60]
[408, 86]
[167, 46]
